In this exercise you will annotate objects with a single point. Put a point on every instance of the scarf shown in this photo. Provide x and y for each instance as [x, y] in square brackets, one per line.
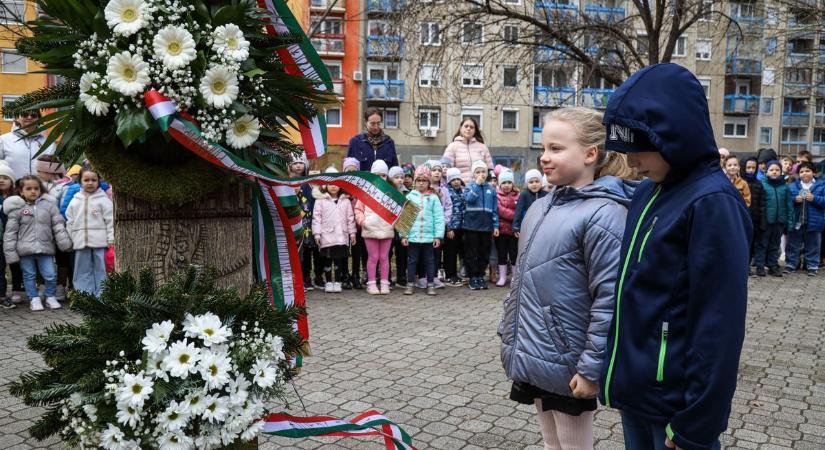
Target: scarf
[375, 140]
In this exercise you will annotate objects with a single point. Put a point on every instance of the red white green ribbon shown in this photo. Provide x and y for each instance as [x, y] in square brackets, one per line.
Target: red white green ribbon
[370, 423]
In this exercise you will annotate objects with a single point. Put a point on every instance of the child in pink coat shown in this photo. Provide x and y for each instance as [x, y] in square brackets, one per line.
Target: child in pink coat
[333, 224]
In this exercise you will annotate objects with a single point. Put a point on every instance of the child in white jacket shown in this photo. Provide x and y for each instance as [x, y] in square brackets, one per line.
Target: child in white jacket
[89, 220]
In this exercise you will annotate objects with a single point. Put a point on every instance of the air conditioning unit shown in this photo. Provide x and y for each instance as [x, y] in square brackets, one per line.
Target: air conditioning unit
[429, 132]
[357, 75]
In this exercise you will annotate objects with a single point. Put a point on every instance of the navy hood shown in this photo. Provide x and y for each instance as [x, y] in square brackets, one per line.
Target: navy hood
[645, 115]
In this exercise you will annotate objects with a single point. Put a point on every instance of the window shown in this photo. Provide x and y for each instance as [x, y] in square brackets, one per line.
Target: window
[743, 9]
[703, 49]
[743, 87]
[705, 82]
[328, 26]
[429, 75]
[6, 100]
[765, 135]
[798, 75]
[509, 120]
[391, 118]
[511, 34]
[471, 33]
[13, 62]
[766, 106]
[319, 3]
[819, 108]
[429, 118]
[430, 33]
[333, 117]
[512, 2]
[334, 68]
[379, 71]
[768, 76]
[473, 112]
[642, 43]
[770, 45]
[735, 128]
[773, 15]
[794, 134]
[12, 12]
[681, 47]
[552, 76]
[472, 75]
[707, 10]
[510, 76]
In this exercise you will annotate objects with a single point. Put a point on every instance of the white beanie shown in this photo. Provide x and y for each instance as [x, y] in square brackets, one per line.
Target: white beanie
[479, 164]
[331, 169]
[379, 167]
[532, 173]
[433, 163]
[453, 173]
[395, 171]
[5, 170]
[506, 176]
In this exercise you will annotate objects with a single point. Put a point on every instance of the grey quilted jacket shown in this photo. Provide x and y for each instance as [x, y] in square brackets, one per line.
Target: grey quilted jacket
[32, 229]
[558, 312]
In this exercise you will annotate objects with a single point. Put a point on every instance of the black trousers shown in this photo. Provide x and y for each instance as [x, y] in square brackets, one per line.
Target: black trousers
[507, 249]
[359, 256]
[452, 251]
[338, 266]
[477, 246]
[400, 261]
[311, 258]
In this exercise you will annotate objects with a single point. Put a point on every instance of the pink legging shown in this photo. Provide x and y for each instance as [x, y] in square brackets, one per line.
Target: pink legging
[378, 250]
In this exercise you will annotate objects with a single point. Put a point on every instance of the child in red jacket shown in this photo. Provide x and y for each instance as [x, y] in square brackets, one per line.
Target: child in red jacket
[506, 242]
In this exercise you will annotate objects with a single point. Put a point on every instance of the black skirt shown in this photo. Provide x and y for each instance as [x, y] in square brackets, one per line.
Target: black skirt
[527, 394]
[335, 252]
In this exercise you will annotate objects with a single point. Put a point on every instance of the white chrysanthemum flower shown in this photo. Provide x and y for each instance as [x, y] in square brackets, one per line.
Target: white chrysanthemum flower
[175, 416]
[111, 438]
[219, 86]
[157, 337]
[217, 408]
[207, 327]
[228, 40]
[238, 390]
[127, 73]
[243, 132]
[209, 438]
[263, 374]
[128, 415]
[91, 412]
[174, 46]
[175, 441]
[135, 390]
[93, 104]
[277, 344]
[130, 444]
[154, 365]
[182, 359]
[252, 431]
[125, 17]
[196, 403]
[214, 369]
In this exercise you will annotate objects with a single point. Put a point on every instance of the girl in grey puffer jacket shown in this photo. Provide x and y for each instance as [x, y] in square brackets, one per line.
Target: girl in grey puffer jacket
[33, 225]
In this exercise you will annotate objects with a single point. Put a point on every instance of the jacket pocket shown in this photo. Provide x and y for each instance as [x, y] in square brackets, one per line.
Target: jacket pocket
[644, 240]
[660, 367]
[556, 330]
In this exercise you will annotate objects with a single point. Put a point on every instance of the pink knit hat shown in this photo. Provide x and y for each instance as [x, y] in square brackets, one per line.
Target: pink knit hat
[351, 162]
[422, 172]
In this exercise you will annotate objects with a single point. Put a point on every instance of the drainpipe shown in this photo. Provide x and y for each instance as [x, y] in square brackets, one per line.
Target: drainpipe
[362, 60]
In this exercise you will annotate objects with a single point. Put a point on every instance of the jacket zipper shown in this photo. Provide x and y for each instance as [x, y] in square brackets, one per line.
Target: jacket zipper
[619, 295]
[86, 220]
[660, 371]
[644, 241]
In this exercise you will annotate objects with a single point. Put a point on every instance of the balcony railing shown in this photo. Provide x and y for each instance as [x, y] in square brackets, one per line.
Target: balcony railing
[740, 66]
[557, 12]
[547, 54]
[604, 13]
[799, 59]
[749, 24]
[385, 46]
[796, 119]
[741, 104]
[329, 44]
[389, 90]
[535, 139]
[385, 6]
[596, 98]
[818, 149]
[554, 96]
[819, 120]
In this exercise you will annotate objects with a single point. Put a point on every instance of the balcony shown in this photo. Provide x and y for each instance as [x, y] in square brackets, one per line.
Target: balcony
[329, 44]
[741, 104]
[819, 120]
[385, 6]
[387, 46]
[535, 138]
[796, 119]
[547, 54]
[596, 98]
[597, 13]
[557, 12]
[797, 89]
[385, 90]
[818, 149]
[749, 24]
[743, 67]
[554, 96]
[799, 59]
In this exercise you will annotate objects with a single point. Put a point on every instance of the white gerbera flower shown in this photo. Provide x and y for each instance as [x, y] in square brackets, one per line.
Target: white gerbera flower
[219, 86]
[217, 408]
[175, 416]
[228, 39]
[263, 374]
[243, 132]
[111, 438]
[128, 415]
[91, 412]
[135, 390]
[214, 369]
[277, 344]
[157, 337]
[196, 403]
[125, 17]
[209, 438]
[182, 359]
[207, 327]
[176, 440]
[154, 365]
[127, 73]
[252, 431]
[93, 104]
[238, 390]
[130, 444]
[174, 46]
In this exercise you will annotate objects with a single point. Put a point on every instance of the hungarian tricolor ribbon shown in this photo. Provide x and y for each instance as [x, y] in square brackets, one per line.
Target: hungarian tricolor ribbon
[370, 423]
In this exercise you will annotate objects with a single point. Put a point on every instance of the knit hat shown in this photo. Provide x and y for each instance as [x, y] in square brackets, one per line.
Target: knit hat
[479, 164]
[433, 163]
[506, 176]
[74, 170]
[379, 167]
[331, 169]
[422, 172]
[395, 171]
[351, 162]
[532, 173]
[453, 173]
[5, 170]
[498, 168]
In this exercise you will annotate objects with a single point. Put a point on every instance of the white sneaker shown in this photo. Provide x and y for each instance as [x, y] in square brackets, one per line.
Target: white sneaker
[421, 283]
[329, 287]
[36, 304]
[337, 287]
[52, 303]
[438, 283]
[60, 293]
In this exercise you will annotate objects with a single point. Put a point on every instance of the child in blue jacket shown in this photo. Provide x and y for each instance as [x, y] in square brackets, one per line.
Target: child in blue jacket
[778, 215]
[679, 322]
[455, 237]
[480, 220]
[807, 220]
[528, 196]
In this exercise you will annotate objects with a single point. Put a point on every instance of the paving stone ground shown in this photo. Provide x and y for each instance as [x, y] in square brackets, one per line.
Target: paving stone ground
[431, 364]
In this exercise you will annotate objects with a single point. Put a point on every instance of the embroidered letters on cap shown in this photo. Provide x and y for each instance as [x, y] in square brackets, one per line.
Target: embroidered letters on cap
[618, 132]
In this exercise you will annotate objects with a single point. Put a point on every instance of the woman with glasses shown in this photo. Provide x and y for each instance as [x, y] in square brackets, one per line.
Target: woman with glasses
[372, 144]
[19, 147]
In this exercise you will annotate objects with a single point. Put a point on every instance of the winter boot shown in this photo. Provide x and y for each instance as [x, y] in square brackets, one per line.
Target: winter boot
[372, 289]
[431, 289]
[502, 275]
[385, 287]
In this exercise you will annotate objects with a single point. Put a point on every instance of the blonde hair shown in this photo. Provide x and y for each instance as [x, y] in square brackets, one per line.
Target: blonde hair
[615, 164]
[587, 122]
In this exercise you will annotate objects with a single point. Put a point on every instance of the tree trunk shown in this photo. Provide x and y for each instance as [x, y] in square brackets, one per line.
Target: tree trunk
[215, 230]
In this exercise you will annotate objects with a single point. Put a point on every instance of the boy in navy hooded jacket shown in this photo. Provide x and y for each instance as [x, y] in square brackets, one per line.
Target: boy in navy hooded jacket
[679, 322]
